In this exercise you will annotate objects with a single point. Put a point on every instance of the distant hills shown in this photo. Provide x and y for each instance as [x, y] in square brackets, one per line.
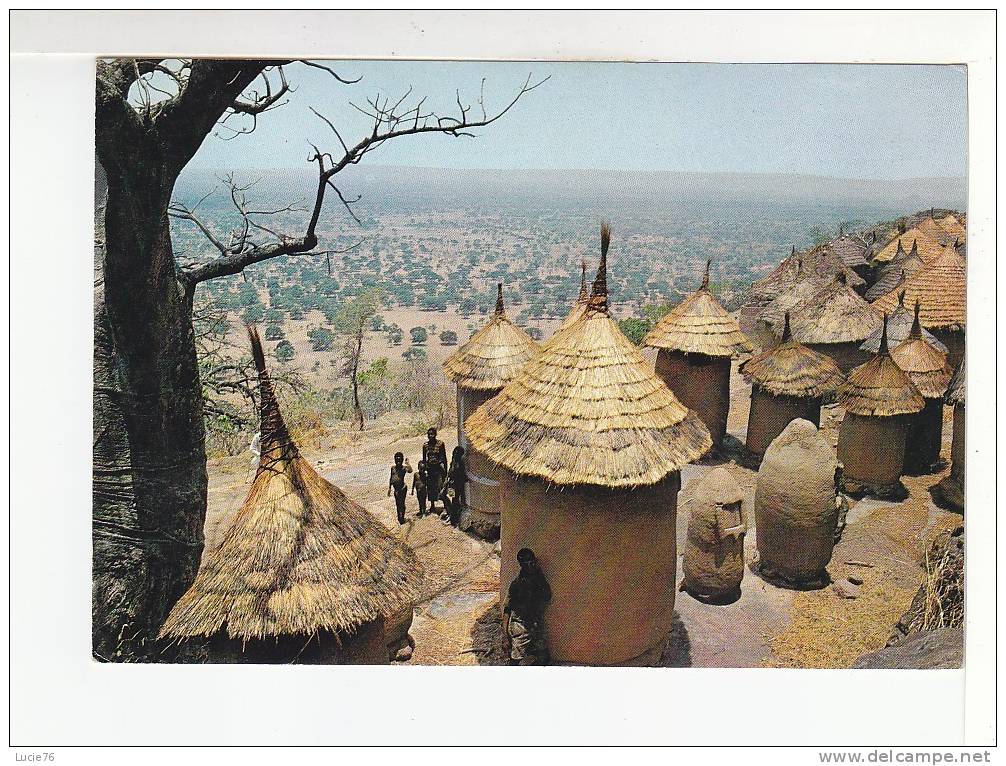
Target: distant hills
[436, 188]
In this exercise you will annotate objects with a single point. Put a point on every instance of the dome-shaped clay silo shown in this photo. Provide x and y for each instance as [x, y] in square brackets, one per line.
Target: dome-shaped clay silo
[795, 510]
[696, 341]
[878, 398]
[713, 560]
[590, 444]
[490, 359]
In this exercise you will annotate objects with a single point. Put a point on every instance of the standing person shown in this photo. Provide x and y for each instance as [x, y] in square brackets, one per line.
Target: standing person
[454, 488]
[524, 640]
[397, 484]
[419, 482]
[435, 455]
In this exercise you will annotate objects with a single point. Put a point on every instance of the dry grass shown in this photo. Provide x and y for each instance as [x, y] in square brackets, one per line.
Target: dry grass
[944, 590]
[589, 410]
[494, 355]
[941, 289]
[299, 557]
[832, 632]
[699, 325]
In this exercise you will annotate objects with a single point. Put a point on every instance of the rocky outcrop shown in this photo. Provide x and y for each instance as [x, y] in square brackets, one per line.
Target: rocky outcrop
[941, 648]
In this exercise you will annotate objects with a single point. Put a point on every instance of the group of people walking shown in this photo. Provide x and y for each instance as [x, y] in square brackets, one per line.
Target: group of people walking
[433, 480]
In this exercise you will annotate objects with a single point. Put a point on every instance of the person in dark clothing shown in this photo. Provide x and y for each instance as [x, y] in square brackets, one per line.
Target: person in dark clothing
[419, 483]
[524, 641]
[435, 455]
[453, 493]
[397, 484]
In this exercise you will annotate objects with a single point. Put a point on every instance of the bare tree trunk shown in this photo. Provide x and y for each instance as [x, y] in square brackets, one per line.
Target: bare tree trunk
[149, 490]
[356, 386]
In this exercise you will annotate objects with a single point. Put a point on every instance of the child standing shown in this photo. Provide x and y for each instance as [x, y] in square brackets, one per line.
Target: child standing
[397, 484]
[419, 480]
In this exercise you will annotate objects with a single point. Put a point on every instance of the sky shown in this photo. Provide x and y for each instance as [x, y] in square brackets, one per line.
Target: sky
[846, 121]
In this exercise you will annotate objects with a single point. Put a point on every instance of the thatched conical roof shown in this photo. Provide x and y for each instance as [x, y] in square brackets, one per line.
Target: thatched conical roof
[581, 300]
[834, 314]
[926, 367]
[300, 556]
[958, 383]
[768, 287]
[699, 325]
[493, 355]
[940, 287]
[880, 388]
[799, 291]
[928, 247]
[849, 250]
[954, 227]
[892, 273]
[792, 369]
[589, 409]
[899, 327]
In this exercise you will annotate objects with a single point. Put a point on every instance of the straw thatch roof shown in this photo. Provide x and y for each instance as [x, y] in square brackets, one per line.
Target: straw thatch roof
[768, 287]
[834, 314]
[940, 286]
[879, 387]
[926, 367]
[850, 250]
[699, 325]
[589, 409]
[792, 369]
[928, 247]
[955, 391]
[892, 273]
[300, 556]
[953, 227]
[803, 289]
[493, 355]
[899, 327]
[581, 300]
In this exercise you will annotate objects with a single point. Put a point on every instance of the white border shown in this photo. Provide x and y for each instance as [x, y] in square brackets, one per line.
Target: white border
[61, 697]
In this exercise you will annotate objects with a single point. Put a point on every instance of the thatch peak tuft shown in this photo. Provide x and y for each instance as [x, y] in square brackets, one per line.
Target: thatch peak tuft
[584, 293]
[275, 439]
[705, 276]
[499, 299]
[786, 332]
[884, 350]
[599, 293]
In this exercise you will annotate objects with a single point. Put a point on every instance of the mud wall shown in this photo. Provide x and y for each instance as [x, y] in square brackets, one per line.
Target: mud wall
[701, 383]
[771, 414]
[610, 557]
[872, 449]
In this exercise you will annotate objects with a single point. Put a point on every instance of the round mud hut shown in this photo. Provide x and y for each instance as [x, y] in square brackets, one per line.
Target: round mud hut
[787, 382]
[940, 286]
[899, 327]
[695, 342]
[877, 396]
[303, 574]
[490, 359]
[951, 488]
[927, 369]
[796, 514]
[713, 559]
[590, 443]
[834, 322]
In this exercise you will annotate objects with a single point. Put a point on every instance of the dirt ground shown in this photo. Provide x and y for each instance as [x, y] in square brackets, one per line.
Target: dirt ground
[457, 623]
